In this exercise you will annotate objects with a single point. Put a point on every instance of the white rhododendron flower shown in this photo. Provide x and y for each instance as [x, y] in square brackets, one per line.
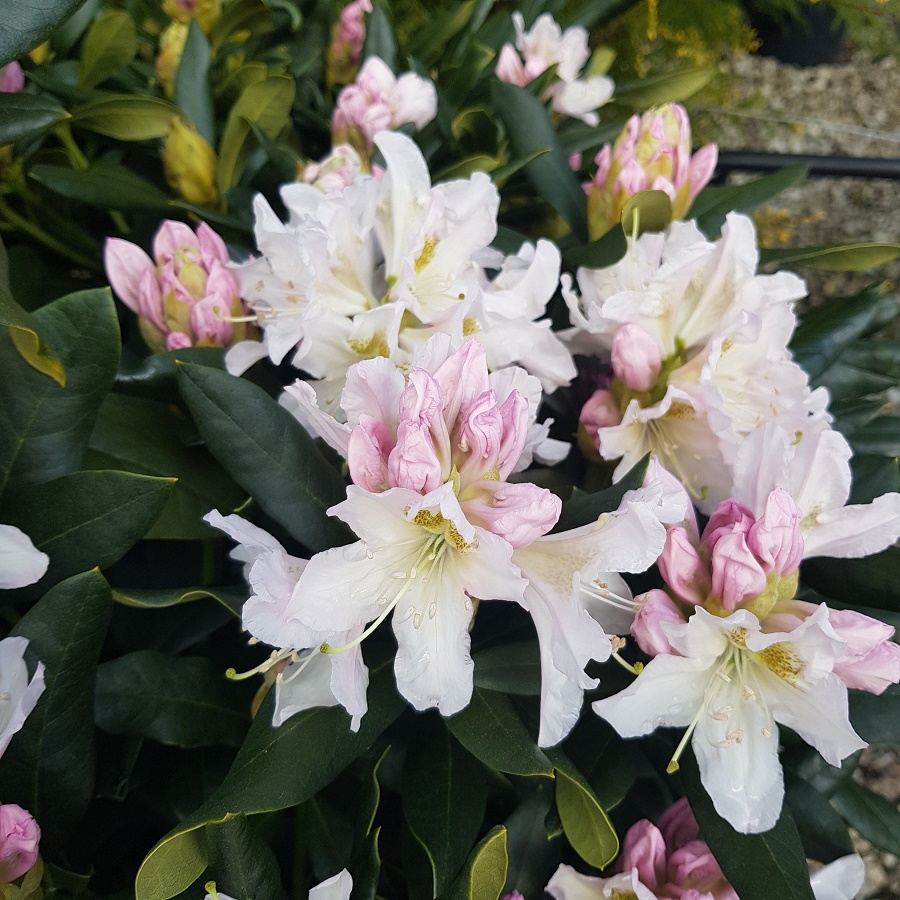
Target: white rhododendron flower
[698, 349]
[19, 695]
[376, 268]
[21, 563]
[338, 887]
[546, 45]
[729, 685]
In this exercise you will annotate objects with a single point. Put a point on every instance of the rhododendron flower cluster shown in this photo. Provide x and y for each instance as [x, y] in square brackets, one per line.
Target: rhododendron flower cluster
[441, 528]
[345, 50]
[380, 101]
[653, 152]
[185, 296]
[546, 45]
[698, 348]
[376, 268]
[19, 840]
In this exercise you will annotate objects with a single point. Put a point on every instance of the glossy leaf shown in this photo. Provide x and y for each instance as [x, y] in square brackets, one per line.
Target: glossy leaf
[86, 519]
[484, 874]
[873, 578]
[274, 769]
[25, 116]
[156, 377]
[268, 453]
[23, 331]
[586, 825]
[192, 94]
[49, 768]
[825, 331]
[491, 730]
[824, 835]
[533, 855]
[241, 861]
[110, 43]
[873, 816]
[835, 257]
[146, 598]
[669, 87]
[104, 184]
[758, 866]
[605, 251]
[714, 203]
[25, 25]
[142, 436]
[44, 428]
[126, 117]
[510, 668]
[267, 104]
[444, 797]
[876, 717]
[380, 38]
[183, 701]
[530, 131]
[584, 507]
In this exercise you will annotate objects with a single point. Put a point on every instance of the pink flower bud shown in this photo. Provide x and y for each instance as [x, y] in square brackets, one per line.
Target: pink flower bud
[19, 839]
[644, 849]
[736, 574]
[509, 66]
[600, 411]
[12, 78]
[480, 434]
[414, 99]
[656, 608]
[683, 569]
[870, 661]
[514, 417]
[775, 538]
[729, 517]
[636, 357]
[694, 868]
[368, 449]
[678, 825]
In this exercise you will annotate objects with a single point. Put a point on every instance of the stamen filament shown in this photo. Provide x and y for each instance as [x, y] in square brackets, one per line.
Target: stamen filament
[276, 657]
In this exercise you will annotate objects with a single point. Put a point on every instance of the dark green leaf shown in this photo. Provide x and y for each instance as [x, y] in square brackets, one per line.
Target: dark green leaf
[825, 331]
[44, 428]
[183, 701]
[380, 38]
[156, 377]
[24, 116]
[530, 130]
[192, 95]
[110, 43]
[874, 817]
[510, 668]
[268, 453]
[87, 519]
[275, 768]
[599, 254]
[592, 14]
[104, 184]
[758, 866]
[824, 835]
[366, 869]
[584, 507]
[142, 436]
[491, 730]
[49, 767]
[881, 435]
[444, 796]
[231, 598]
[874, 578]
[533, 856]
[24, 25]
[484, 874]
[877, 717]
[241, 862]
[714, 203]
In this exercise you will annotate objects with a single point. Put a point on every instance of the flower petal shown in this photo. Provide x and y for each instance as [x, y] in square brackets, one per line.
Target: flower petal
[21, 562]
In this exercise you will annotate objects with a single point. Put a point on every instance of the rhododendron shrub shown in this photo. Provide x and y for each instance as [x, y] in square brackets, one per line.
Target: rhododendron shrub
[386, 513]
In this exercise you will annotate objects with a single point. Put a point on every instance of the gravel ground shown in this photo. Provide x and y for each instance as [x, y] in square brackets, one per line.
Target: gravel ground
[851, 109]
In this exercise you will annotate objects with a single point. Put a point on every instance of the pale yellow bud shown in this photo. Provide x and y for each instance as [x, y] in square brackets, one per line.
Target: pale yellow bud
[40, 53]
[206, 12]
[190, 164]
[171, 46]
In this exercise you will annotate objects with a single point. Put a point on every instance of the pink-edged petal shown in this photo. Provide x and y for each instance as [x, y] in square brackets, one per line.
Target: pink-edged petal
[125, 263]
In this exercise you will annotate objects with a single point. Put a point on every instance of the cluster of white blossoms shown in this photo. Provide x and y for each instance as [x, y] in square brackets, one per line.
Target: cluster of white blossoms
[428, 359]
